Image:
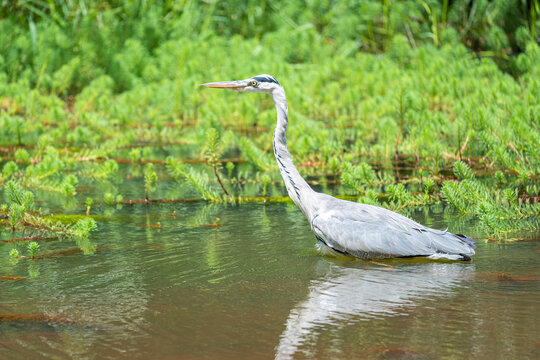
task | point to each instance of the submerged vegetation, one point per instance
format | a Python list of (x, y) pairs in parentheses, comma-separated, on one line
[(399, 104)]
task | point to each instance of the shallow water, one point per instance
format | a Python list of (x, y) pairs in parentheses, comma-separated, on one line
[(256, 288)]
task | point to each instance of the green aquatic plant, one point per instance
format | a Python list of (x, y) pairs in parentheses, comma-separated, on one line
[(88, 203), (150, 179), (467, 194), (16, 215), (105, 171), (68, 185), (84, 227), (13, 128), (370, 197), (19, 201), (266, 181), (15, 194), (21, 155), (254, 155), (8, 170), (108, 198), (33, 249), (14, 256), (230, 168), (358, 176), (197, 179), (214, 147), (14, 253), (462, 171), (399, 196), (135, 155), (501, 210)]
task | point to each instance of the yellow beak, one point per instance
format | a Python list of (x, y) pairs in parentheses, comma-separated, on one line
[(233, 85)]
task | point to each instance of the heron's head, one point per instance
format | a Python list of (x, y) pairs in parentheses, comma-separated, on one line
[(257, 84)]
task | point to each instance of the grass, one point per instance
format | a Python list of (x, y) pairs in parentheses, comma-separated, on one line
[(395, 104)]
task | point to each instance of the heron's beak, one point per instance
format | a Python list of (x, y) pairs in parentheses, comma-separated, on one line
[(233, 85)]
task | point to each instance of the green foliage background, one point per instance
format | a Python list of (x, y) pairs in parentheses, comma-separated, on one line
[(392, 102)]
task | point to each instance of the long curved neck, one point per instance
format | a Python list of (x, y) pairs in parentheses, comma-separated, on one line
[(297, 188)]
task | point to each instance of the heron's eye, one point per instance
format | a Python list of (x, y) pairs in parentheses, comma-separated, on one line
[(254, 83)]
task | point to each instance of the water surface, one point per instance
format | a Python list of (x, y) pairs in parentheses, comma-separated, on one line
[(256, 288)]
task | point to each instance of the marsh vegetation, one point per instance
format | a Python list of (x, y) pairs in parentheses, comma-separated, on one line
[(400, 105)]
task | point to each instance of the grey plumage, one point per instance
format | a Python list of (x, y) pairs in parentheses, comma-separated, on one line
[(349, 228), (380, 233)]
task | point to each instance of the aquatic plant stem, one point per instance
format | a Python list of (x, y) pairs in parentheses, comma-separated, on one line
[(216, 172)]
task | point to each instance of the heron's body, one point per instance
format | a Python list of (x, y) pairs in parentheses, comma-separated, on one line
[(371, 232), (349, 228)]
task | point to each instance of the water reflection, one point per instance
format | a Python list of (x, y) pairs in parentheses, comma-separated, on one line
[(348, 294)]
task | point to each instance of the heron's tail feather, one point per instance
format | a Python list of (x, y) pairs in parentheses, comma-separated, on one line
[(469, 241)]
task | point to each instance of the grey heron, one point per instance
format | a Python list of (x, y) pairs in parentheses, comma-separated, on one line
[(344, 227)]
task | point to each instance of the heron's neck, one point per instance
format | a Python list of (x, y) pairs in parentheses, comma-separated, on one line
[(297, 188)]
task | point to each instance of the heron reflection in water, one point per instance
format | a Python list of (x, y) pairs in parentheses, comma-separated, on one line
[(345, 227), (344, 295)]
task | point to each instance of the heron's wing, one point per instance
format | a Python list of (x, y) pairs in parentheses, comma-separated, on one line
[(371, 232)]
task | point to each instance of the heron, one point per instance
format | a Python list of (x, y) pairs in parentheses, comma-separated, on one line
[(347, 228)]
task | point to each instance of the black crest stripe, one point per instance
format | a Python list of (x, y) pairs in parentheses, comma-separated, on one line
[(266, 79)]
